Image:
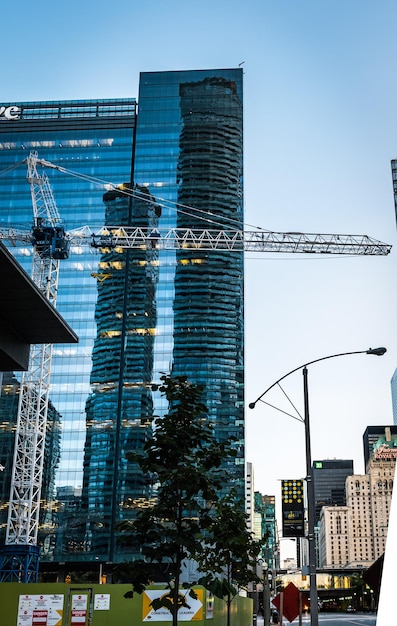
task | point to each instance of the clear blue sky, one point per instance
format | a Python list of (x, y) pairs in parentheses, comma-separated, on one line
[(320, 131)]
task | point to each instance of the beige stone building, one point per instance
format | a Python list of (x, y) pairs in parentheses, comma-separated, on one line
[(355, 535), (333, 537)]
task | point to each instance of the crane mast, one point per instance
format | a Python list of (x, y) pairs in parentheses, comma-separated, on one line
[(49, 246), (51, 243)]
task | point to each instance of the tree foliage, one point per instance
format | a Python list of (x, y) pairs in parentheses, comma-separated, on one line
[(232, 550), (229, 560), (187, 463)]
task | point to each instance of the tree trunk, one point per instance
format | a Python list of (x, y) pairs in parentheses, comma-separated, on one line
[(175, 594), (229, 578), (229, 601)]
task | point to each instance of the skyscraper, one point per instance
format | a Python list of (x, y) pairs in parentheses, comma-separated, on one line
[(355, 535), (329, 478), (175, 163), (380, 442), (393, 384), (265, 527)]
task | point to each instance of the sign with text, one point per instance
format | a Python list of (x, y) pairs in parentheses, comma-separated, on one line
[(40, 618), (292, 508), (78, 618), (10, 112), (40, 610), (79, 610), (385, 448), (189, 608), (102, 602)]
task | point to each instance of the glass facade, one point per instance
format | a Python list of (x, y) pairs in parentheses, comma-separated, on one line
[(266, 527), (138, 314), (189, 149), (393, 384), (329, 478)]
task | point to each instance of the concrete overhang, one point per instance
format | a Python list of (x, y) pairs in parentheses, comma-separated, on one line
[(26, 316)]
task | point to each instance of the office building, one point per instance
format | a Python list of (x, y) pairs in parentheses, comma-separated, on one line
[(333, 536), (379, 442), (329, 477), (394, 396), (249, 496), (355, 535), (265, 526), (177, 163)]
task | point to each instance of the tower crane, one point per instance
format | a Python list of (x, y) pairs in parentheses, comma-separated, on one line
[(21, 554), (57, 241), (51, 243)]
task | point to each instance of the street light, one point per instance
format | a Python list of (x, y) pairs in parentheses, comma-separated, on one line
[(309, 478)]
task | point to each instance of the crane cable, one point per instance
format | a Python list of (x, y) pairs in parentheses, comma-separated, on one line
[(176, 206), (184, 209), (11, 167)]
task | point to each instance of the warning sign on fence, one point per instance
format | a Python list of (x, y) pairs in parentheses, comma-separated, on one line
[(40, 610)]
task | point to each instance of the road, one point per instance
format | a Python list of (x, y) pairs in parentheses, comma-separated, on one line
[(332, 619)]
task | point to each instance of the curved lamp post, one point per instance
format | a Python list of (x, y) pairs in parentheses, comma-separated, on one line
[(309, 478)]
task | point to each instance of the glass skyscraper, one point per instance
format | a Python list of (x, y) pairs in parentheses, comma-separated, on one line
[(329, 478), (178, 163)]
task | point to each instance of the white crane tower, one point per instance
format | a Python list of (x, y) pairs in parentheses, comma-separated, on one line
[(51, 243)]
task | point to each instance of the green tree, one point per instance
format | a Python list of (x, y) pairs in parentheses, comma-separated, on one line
[(186, 463), (230, 559)]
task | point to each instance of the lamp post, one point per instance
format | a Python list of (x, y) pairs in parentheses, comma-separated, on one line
[(309, 475)]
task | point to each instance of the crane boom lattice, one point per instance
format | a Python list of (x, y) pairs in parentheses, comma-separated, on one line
[(195, 239), (230, 240)]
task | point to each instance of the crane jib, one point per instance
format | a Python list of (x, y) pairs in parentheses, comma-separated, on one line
[(111, 237), (59, 243)]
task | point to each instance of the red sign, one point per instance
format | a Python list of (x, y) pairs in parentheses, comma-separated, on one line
[(39, 618), (290, 602), (78, 617)]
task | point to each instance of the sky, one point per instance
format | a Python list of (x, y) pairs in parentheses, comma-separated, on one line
[(320, 130)]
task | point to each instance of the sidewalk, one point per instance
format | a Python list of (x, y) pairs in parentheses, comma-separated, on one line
[(261, 622)]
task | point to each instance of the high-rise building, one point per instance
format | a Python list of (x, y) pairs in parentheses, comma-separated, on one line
[(329, 478), (249, 495), (379, 442), (265, 526), (394, 377), (393, 384), (333, 536), (355, 535), (177, 163)]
